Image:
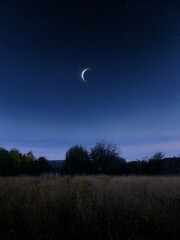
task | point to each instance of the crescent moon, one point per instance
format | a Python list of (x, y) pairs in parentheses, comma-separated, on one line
[(83, 72)]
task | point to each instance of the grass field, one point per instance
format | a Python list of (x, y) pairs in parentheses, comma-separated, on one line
[(89, 207)]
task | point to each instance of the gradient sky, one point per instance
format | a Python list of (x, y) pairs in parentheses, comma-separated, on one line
[(132, 93)]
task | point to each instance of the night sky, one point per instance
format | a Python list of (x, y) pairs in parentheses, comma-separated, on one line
[(132, 93)]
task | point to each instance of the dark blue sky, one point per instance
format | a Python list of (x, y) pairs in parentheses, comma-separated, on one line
[(132, 93)]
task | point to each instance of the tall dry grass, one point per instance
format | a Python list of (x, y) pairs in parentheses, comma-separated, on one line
[(89, 207)]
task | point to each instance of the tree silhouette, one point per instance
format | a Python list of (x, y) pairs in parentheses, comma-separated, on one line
[(77, 160), (156, 163), (106, 159), (17, 159), (157, 156), (7, 164), (43, 165)]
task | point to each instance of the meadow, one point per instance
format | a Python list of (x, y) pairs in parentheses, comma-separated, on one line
[(89, 207)]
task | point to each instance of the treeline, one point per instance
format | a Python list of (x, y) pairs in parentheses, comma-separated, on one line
[(14, 163), (104, 158)]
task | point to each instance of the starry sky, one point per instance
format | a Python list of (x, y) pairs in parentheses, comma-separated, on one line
[(132, 93)]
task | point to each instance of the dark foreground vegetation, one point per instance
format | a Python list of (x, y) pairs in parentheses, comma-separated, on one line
[(89, 207)]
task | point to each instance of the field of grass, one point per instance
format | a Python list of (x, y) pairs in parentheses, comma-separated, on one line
[(89, 207)]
